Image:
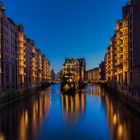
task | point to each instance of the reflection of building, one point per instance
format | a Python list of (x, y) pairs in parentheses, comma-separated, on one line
[(19, 66), (119, 117), (29, 117), (117, 122), (73, 106), (95, 90), (93, 75)]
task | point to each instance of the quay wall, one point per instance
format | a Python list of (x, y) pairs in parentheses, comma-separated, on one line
[(127, 94), (11, 96)]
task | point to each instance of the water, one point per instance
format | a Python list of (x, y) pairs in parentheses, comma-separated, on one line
[(92, 114)]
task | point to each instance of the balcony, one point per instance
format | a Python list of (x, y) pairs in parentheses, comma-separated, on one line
[(21, 64)]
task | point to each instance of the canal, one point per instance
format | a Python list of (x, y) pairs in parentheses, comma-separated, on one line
[(91, 114)]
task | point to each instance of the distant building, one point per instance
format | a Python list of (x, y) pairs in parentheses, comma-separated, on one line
[(53, 75), (73, 71), (93, 75), (102, 71), (82, 69), (70, 70)]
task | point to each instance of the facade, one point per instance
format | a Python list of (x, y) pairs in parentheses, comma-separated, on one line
[(118, 58), (73, 72), (82, 69), (122, 63), (9, 44), (70, 71), (28, 62), (22, 65), (102, 71), (33, 67), (46, 70), (136, 45), (110, 60), (21, 58), (93, 75)]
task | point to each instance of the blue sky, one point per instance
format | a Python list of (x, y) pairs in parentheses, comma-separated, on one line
[(68, 28)]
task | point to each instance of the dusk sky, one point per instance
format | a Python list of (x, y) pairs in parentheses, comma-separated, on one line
[(68, 28)]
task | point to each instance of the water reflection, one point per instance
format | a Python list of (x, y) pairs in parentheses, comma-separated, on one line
[(121, 121), (95, 90), (2, 136), (120, 118), (26, 119), (92, 114), (73, 106)]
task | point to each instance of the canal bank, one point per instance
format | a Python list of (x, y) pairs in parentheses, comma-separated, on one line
[(12, 96), (127, 95)]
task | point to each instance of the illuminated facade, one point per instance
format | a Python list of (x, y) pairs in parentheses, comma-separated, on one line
[(118, 58), (93, 75), (122, 63), (74, 73), (30, 62), (70, 71), (21, 57), (111, 60), (22, 65), (33, 68), (46, 70), (42, 70)]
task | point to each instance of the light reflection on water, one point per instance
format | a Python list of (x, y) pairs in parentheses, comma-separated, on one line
[(73, 107), (91, 114)]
